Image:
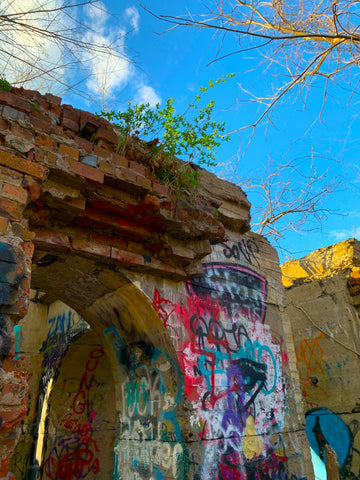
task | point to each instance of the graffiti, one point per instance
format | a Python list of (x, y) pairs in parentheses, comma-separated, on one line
[(324, 427), (79, 404), (17, 330), (232, 373), (63, 329), (5, 338), (163, 307), (149, 444), (244, 250), (233, 287), (309, 356), (74, 456), (53, 349)]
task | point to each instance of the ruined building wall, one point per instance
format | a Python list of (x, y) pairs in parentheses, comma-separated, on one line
[(155, 345), (323, 305)]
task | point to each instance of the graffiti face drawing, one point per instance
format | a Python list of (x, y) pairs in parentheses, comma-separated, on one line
[(232, 371)]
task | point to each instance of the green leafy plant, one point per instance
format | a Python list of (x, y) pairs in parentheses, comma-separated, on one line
[(166, 134), (4, 85)]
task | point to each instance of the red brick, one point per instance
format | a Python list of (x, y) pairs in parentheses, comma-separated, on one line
[(137, 167), (33, 187), (21, 132), (106, 145), (126, 174), (28, 248), (25, 93), (3, 124), (25, 285), (19, 309), (12, 192), (10, 209), (90, 247), (42, 140), (3, 224), (14, 365), (70, 124), (126, 258), (107, 133), (85, 144), (107, 168), (52, 99), (51, 158), (44, 125), (68, 151), (113, 241), (11, 176), (119, 160), (39, 105), (102, 152), (14, 101), (13, 417), (178, 252), (21, 165), (55, 109), (51, 240), (160, 188), (143, 182), (89, 122), (157, 267), (123, 226), (38, 155), (16, 390), (86, 171), (4, 467), (137, 247)]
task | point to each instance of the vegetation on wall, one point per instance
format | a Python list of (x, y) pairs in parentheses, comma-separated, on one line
[(165, 135)]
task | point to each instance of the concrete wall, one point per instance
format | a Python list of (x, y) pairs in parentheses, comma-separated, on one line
[(323, 305)]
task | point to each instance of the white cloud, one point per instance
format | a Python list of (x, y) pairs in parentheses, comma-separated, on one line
[(96, 69), (96, 14), (133, 16), (25, 54), (108, 72), (340, 235), (146, 94)]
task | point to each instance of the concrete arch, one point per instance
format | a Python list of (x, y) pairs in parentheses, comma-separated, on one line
[(142, 372)]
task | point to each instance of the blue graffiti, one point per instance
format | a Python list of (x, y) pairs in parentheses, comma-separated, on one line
[(325, 427), (17, 330)]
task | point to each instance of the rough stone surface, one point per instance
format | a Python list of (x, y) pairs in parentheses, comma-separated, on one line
[(324, 310)]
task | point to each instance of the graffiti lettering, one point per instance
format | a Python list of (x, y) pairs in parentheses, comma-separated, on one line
[(232, 368), (79, 403), (309, 356), (233, 287), (245, 249), (150, 435), (72, 458)]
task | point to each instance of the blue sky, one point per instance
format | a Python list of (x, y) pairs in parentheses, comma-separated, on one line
[(175, 63)]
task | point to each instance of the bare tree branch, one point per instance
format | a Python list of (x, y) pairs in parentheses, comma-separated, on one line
[(304, 40), (48, 42)]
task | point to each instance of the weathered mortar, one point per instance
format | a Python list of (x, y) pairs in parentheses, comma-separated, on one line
[(323, 304), (188, 338)]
